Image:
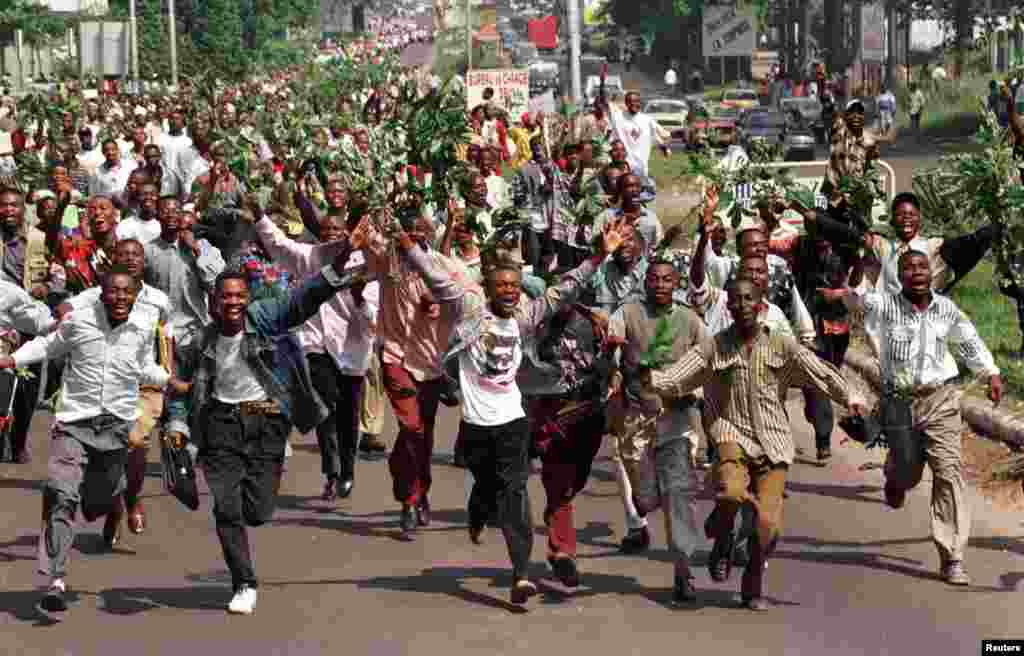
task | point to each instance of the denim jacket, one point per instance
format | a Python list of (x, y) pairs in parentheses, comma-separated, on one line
[(472, 312), (273, 353)]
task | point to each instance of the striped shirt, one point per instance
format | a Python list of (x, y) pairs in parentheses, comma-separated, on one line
[(745, 393), (913, 346)]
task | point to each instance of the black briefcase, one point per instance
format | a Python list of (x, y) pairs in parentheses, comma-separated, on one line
[(179, 473)]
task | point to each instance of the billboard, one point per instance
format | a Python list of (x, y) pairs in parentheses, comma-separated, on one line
[(729, 31), (511, 88), (103, 47)]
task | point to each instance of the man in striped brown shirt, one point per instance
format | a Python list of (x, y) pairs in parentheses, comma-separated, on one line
[(746, 371)]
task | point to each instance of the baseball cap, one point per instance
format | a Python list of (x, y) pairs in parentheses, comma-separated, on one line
[(855, 103)]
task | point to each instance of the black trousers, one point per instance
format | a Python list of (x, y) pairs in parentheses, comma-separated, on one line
[(536, 247), (498, 458), (338, 435), (26, 397), (242, 462), (817, 406)]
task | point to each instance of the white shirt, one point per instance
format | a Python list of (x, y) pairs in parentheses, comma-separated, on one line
[(487, 374), (670, 78), (171, 148), (134, 228), (19, 311), (235, 381), (913, 346), (888, 252), (111, 179), (638, 132), (105, 365), (710, 303)]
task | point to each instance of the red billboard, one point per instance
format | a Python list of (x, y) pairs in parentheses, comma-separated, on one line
[(543, 32)]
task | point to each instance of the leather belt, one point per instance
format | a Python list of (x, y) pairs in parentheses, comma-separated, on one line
[(251, 408)]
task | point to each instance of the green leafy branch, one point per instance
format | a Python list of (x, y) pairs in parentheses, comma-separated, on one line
[(659, 350)]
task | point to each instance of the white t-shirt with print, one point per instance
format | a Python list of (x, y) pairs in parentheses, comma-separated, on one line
[(487, 375)]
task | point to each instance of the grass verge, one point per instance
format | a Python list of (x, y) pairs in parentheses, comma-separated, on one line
[(994, 316)]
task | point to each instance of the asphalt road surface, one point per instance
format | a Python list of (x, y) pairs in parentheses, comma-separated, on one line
[(851, 576)]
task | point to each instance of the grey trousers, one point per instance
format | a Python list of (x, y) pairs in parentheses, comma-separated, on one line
[(86, 469), (668, 482)]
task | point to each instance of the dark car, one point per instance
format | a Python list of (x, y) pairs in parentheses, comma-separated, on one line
[(809, 108), (760, 124)]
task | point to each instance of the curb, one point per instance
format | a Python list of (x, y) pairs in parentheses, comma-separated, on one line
[(979, 414)]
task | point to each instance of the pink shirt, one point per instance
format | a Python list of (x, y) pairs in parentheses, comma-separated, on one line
[(410, 336), (342, 329)]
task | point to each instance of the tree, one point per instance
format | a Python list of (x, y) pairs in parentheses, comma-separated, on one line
[(221, 41)]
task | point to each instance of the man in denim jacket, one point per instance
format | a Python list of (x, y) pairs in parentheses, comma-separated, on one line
[(250, 385)]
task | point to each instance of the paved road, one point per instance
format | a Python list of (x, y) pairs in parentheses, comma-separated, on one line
[(851, 576)]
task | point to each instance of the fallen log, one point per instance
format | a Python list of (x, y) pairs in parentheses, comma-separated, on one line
[(979, 414)]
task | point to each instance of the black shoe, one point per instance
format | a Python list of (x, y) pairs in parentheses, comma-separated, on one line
[(824, 455), (423, 513), (720, 559), (407, 522), (522, 590), (345, 488), (53, 601), (637, 540), (894, 497), (372, 444), (330, 491), (565, 571), (683, 591)]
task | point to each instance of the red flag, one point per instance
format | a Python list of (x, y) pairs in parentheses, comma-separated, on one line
[(543, 32)]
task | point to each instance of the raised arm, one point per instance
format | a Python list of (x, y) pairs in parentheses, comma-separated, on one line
[(539, 310)]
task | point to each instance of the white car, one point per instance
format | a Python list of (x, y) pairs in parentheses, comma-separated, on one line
[(671, 115)]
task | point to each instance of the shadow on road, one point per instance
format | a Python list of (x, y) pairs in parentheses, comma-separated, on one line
[(24, 606), (132, 601), (851, 492), (24, 541), (20, 484)]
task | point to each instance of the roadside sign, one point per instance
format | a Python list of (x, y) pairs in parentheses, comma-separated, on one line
[(729, 31), (511, 88)]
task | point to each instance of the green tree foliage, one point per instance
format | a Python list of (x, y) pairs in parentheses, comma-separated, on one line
[(220, 42), (37, 24)]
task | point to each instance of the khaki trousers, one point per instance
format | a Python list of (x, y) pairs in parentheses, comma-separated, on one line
[(937, 418), (371, 407)]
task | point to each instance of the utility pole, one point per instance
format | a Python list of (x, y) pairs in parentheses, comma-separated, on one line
[(574, 50), (172, 26), (134, 45), (469, 39)]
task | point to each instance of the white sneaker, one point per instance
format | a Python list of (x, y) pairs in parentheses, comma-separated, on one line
[(244, 601)]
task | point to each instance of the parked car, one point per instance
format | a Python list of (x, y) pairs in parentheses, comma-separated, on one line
[(671, 115), (810, 112), (760, 124), (612, 85), (718, 125), (799, 139), (741, 98), (543, 76)]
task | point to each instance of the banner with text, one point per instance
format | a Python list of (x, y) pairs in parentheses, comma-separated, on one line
[(511, 89), (729, 31)]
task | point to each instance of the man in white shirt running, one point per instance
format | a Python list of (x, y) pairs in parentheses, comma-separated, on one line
[(638, 132), (110, 350)]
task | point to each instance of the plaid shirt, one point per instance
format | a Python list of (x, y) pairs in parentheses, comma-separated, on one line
[(745, 394)]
